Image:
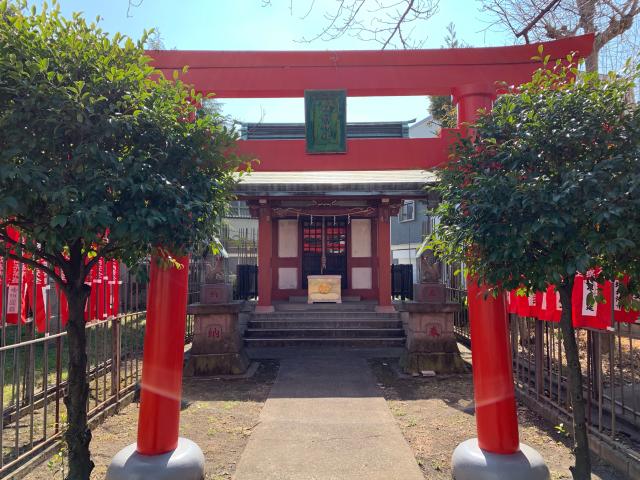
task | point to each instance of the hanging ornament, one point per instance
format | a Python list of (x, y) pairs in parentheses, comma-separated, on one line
[(349, 219), (334, 220)]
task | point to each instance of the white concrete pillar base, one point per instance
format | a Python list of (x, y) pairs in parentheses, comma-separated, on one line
[(470, 462), (186, 462)]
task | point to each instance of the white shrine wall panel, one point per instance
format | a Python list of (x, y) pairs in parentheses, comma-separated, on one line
[(361, 238), (361, 278), (287, 278), (287, 238)]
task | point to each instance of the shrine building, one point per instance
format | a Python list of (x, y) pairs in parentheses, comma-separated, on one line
[(333, 223)]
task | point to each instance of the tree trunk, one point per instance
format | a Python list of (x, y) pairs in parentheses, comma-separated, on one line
[(582, 468), (78, 434), (591, 63)]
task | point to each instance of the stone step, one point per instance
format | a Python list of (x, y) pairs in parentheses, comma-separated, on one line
[(323, 323), (324, 333), (369, 342), (324, 315), (304, 299), (351, 307)]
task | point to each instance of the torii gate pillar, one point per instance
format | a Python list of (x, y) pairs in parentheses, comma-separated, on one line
[(497, 452), (159, 453)]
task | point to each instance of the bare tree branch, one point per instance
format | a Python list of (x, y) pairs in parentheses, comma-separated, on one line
[(617, 36), (134, 4), (525, 31), (386, 22)]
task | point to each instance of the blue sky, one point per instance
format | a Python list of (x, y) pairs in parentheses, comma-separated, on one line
[(247, 25)]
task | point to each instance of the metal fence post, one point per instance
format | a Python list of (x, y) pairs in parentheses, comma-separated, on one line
[(539, 357), (116, 348)]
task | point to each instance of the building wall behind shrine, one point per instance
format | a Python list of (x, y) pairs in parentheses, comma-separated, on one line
[(407, 235)]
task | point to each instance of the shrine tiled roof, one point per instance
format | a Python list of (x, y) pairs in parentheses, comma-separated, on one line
[(362, 183)]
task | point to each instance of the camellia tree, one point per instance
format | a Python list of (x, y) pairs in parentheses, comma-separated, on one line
[(100, 157), (549, 186)]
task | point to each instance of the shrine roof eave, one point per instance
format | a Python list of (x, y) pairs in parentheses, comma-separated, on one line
[(381, 183), (355, 191)]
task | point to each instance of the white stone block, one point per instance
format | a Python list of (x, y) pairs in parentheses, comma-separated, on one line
[(287, 278), (362, 278)]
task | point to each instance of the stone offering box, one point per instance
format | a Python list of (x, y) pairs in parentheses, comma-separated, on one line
[(217, 347), (431, 342), (324, 288)]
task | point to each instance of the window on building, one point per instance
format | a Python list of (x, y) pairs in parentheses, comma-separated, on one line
[(238, 209), (407, 211)]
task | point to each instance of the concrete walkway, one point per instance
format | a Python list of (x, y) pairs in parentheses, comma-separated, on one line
[(325, 419)]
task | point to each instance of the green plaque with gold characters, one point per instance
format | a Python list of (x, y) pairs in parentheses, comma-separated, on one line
[(326, 120)]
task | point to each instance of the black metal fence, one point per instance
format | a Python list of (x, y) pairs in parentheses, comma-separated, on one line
[(402, 281), (33, 364), (610, 362), (246, 284), (33, 371)]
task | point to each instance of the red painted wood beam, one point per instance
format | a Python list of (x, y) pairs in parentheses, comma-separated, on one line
[(362, 154), (231, 74)]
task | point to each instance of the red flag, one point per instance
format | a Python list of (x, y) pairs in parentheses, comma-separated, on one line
[(62, 300), (526, 305), (13, 285), (512, 301), (100, 284), (585, 315), (36, 280), (619, 313), (12, 289), (113, 290), (550, 308)]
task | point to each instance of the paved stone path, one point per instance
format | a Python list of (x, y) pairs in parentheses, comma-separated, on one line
[(326, 420)]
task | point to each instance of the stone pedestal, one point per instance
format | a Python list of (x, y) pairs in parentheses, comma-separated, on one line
[(429, 292), (217, 347), (216, 293), (431, 343)]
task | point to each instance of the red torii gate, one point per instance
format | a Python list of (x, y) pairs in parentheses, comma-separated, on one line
[(462, 72), (470, 75)]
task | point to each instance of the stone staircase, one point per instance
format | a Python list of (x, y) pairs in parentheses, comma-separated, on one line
[(349, 324)]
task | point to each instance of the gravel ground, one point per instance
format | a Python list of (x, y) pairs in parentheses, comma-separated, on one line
[(219, 416), (436, 414)]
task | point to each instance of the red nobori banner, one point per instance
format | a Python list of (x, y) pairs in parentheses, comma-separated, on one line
[(546, 305)]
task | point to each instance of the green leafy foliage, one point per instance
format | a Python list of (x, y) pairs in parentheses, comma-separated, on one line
[(549, 185), (100, 157), (93, 140), (443, 111)]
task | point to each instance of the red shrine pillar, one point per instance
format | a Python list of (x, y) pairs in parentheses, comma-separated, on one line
[(161, 383), (265, 252), (383, 242), (496, 418)]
